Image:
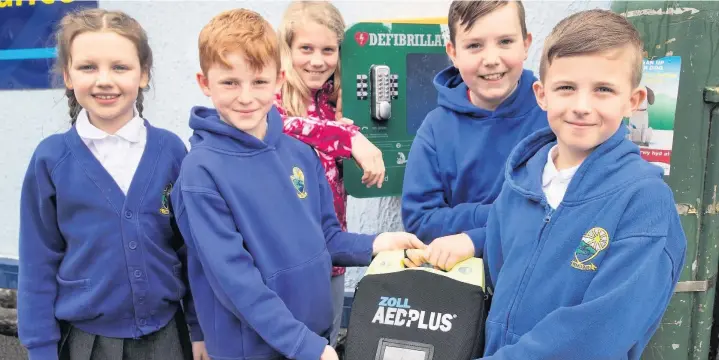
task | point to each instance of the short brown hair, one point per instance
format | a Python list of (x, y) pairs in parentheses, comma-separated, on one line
[(238, 30), (95, 20), (466, 13), (591, 32)]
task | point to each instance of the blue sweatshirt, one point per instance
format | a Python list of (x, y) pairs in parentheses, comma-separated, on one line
[(591, 279), (262, 236), (105, 262), (455, 166)]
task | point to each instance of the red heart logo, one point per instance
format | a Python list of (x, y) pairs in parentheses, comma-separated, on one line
[(361, 37)]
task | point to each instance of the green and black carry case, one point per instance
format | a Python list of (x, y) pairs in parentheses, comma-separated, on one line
[(417, 314)]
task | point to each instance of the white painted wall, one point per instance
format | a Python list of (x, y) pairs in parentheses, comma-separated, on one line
[(29, 116)]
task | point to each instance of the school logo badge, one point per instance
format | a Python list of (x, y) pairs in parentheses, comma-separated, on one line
[(593, 242), (165, 208), (298, 180)]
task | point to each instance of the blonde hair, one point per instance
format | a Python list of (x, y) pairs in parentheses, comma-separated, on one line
[(592, 32), (238, 30), (94, 20), (298, 13)]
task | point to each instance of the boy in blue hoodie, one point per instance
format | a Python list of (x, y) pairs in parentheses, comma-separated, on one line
[(256, 210), (583, 246), (486, 106)]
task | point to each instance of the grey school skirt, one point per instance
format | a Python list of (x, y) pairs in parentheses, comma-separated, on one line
[(172, 342)]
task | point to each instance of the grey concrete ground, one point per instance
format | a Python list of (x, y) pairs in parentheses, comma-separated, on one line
[(10, 349)]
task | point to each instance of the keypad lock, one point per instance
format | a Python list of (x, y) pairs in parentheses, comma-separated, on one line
[(384, 89)]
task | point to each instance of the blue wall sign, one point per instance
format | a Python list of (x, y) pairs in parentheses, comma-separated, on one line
[(27, 51)]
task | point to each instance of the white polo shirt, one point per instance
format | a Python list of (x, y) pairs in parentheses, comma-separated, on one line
[(555, 182), (119, 153)]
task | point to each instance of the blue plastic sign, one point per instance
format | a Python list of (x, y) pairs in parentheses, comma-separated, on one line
[(27, 46)]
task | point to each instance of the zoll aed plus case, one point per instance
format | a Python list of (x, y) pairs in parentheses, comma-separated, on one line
[(417, 314)]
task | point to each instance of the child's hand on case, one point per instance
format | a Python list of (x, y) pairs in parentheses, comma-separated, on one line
[(329, 354), (396, 241), (416, 257), (445, 252), (199, 352)]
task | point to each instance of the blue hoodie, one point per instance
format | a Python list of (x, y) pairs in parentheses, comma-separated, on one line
[(262, 235), (591, 279), (455, 167)]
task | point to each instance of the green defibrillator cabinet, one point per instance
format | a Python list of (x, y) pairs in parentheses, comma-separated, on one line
[(387, 73), (678, 129)]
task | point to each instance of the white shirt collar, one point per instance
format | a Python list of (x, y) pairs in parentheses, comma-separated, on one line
[(551, 173), (133, 131)]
